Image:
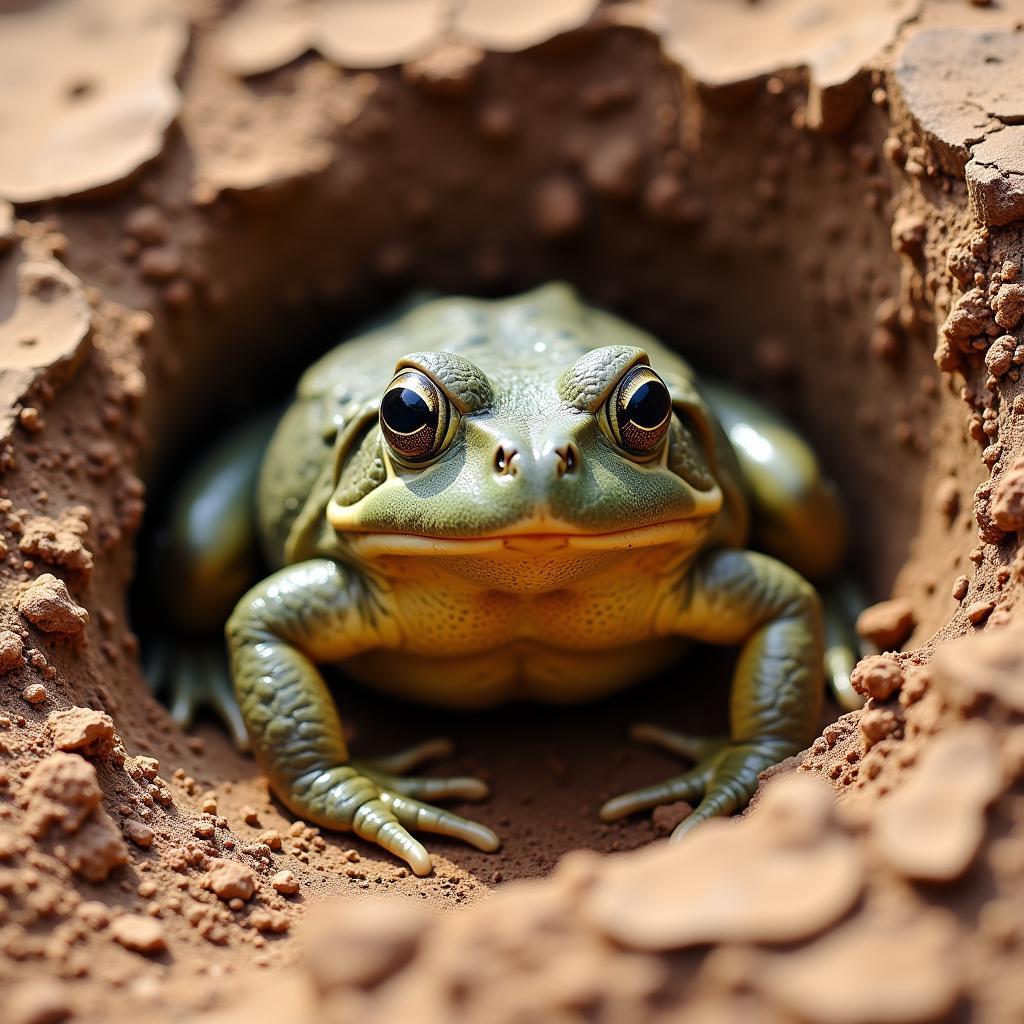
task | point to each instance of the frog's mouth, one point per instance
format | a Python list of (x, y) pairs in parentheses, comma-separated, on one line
[(526, 540)]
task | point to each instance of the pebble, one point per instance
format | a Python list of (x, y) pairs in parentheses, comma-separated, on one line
[(285, 883), (139, 934)]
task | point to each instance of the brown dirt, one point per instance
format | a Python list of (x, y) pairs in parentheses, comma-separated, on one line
[(815, 213)]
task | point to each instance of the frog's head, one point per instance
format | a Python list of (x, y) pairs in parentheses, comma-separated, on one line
[(515, 442)]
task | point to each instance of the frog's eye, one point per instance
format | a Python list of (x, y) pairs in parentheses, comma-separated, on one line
[(638, 412), (416, 417)]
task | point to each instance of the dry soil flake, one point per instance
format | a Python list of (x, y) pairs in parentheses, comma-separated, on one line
[(887, 624), (83, 730), (47, 604), (932, 826), (908, 969), (783, 875), (95, 94), (139, 934)]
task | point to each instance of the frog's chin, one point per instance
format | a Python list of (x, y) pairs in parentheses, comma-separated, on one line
[(531, 541)]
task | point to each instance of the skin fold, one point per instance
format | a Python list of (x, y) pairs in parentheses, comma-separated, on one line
[(476, 503)]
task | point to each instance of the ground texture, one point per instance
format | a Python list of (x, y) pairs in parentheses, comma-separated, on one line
[(822, 201)]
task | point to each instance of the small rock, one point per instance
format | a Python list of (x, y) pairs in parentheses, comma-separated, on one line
[(271, 838), (35, 693), (887, 624), (249, 815), (139, 833), (269, 921), (139, 934), (979, 611), (230, 880), (285, 883), (47, 604)]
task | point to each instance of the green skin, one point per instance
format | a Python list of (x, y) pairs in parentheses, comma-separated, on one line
[(530, 557)]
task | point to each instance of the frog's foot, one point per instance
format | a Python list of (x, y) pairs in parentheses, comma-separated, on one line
[(379, 803), (191, 675), (390, 773), (723, 780)]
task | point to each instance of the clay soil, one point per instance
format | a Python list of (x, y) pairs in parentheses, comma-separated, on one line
[(196, 199)]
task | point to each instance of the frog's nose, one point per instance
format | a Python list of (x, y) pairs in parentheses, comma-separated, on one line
[(557, 460)]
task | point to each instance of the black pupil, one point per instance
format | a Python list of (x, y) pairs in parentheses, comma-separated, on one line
[(404, 411), (648, 405)]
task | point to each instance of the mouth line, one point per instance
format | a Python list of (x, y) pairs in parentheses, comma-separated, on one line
[(530, 541)]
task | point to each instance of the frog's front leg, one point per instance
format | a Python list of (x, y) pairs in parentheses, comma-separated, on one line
[(319, 612), (731, 597)]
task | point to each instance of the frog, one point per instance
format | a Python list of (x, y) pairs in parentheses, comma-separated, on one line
[(486, 500)]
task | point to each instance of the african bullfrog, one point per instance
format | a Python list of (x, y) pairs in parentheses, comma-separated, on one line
[(484, 501)]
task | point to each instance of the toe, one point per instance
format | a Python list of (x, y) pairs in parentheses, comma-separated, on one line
[(688, 787), (416, 815)]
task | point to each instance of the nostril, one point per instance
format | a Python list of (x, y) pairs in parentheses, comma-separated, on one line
[(568, 459), (505, 461)]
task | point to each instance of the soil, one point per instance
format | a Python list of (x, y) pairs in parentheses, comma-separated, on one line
[(196, 199)]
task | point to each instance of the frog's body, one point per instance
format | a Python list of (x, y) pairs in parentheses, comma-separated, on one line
[(529, 540)]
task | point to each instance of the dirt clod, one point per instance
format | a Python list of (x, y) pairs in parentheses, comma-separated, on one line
[(887, 624), (285, 883), (47, 604), (60, 541), (84, 730), (230, 880), (1008, 498), (878, 676), (61, 790), (11, 651)]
